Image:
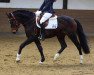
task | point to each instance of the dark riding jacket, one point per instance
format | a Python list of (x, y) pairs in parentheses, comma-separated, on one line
[(47, 6)]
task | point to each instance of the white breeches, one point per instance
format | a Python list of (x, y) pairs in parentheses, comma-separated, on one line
[(45, 17)]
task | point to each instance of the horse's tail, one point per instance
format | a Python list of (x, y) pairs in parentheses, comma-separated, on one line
[(82, 38)]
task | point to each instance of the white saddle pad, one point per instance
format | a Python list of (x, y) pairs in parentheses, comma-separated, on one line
[(52, 24)]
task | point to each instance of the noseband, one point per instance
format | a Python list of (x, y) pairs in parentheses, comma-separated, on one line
[(17, 24)]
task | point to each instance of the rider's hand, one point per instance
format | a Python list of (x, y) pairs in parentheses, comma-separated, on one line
[(38, 13)]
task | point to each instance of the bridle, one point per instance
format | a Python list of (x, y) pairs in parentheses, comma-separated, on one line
[(17, 24)]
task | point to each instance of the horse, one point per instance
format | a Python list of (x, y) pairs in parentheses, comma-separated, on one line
[(67, 26)]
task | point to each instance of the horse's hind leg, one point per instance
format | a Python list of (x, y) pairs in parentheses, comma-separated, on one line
[(74, 39), (61, 39)]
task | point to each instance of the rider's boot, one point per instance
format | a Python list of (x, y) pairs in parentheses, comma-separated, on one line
[(42, 36)]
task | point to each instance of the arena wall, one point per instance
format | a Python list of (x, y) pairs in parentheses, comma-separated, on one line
[(83, 10), (29, 4), (81, 4), (86, 17), (72, 4)]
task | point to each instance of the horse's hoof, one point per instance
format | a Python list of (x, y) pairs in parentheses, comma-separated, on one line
[(18, 58), (17, 61), (81, 63), (56, 56), (40, 62)]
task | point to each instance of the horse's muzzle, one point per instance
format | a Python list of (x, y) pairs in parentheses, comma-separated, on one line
[(14, 31)]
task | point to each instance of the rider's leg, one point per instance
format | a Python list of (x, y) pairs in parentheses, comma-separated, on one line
[(45, 17)]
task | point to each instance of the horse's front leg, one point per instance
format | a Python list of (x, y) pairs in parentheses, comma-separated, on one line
[(38, 44), (28, 41)]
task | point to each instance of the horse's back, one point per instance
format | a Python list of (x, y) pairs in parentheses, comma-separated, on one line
[(67, 22), (66, 18)]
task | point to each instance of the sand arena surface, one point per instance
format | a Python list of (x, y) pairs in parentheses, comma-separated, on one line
[(66, 64)]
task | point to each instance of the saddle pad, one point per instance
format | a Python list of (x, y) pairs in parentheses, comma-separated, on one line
[(52, 23)]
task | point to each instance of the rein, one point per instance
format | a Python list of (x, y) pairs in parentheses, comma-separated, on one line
[(13, 17)]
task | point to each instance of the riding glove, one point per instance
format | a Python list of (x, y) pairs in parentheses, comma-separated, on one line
[(38, 13)]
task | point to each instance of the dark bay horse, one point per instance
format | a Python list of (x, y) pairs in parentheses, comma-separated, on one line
[(66, 26)]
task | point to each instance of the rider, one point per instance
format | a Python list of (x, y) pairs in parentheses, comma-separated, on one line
[(47, 9)]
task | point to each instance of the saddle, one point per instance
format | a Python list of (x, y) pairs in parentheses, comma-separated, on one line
[(51, 23)]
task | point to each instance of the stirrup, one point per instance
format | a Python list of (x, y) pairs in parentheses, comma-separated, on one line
[(41, 37)]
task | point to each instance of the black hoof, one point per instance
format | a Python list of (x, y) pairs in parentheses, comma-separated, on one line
[(43, 59), (18, 61)]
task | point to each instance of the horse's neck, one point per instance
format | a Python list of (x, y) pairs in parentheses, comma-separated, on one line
[(26, 20)]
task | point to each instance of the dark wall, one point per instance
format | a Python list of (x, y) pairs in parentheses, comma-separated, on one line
[(6, 1)]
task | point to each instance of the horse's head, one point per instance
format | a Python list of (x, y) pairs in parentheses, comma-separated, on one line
[(23, 17), (13, 22)]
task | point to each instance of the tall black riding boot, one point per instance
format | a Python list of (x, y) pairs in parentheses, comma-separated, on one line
[(42, 32)]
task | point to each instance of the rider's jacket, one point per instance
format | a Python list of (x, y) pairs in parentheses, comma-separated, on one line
[(47, 6)]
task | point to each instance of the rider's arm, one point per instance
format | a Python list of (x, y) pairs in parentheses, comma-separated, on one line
[(42, 6), (48, 4)]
